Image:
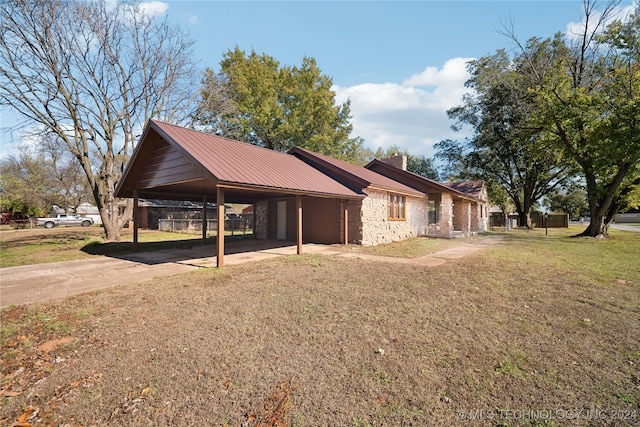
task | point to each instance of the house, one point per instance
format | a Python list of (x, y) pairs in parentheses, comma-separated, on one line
[(449, 210), (90, 211), (296, 196)]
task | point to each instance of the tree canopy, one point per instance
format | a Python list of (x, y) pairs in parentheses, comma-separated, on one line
[(565, 101), (507, 148), (255, 99), (571, 200), (588, 92), (420, 165), (92, 74)]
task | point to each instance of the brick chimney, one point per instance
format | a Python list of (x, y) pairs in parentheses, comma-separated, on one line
[(397, 161)]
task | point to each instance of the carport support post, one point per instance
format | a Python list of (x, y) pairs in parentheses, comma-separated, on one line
[(135, 220), (204, 220), (299, 222), (220, 236)]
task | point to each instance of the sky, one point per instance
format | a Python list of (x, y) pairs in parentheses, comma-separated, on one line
[(401, 63)]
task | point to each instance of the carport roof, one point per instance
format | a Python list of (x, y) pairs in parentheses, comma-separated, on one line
[(208, 161)]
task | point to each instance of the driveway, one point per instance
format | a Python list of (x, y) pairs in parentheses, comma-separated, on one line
[(41, 282), (626, 226)]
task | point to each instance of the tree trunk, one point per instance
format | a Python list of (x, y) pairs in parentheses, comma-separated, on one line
[(525, 219), (604, 208), (598, 227)]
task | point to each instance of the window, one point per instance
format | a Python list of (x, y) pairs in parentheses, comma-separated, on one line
[(396, 207), (434, 211)]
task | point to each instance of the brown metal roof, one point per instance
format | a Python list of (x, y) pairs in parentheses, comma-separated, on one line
[(224, 161), (353, 175), (416, 181), (472, 188)]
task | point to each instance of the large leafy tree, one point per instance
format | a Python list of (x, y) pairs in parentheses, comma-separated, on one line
[(92, 73), (255, 99), (571, 199), (588, 92), (507, 148)]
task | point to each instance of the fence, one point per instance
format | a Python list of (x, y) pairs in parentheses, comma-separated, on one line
[(537, 220), (237, 225), (550, 221)]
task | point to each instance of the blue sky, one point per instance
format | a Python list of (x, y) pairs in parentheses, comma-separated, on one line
[(402, 64)]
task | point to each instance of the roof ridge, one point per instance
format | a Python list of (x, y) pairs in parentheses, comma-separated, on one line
[(213, 135)]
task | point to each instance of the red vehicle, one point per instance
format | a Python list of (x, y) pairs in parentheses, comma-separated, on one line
[(9, 217)]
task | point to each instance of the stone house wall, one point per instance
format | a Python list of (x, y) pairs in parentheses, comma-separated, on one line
[(418, 216), (446, 201), (462, 216), (354, 228), (376, 226), (261, 218)]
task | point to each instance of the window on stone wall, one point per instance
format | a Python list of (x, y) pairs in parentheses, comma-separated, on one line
[(434, 211), (396, 207)]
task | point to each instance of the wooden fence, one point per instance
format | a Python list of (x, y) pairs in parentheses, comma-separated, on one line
[(537, 220)]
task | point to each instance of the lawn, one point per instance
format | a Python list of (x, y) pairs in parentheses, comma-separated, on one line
[(39, 245), (536, 330)]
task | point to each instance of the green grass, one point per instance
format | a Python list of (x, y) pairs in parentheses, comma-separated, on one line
[(560, 249), (38, 246)]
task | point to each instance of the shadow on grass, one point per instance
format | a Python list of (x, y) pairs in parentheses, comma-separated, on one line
[(125, 248), (152, 253)]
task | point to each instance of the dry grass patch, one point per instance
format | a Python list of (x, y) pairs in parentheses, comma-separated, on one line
[(40, 245), (410, 248), (318, 340)]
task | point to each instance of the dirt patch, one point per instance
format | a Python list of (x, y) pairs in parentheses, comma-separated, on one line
[(14, 314), (12, 238), (51, 345), (276, 409)]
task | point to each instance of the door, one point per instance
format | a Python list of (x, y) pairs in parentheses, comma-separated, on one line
[(281, 221)]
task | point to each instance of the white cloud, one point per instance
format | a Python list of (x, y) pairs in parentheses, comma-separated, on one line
[(154, 8), (453, 71), (576, 29), (411, 115)]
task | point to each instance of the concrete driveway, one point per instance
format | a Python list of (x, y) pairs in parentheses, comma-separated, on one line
[(41, 282), (626, 226)]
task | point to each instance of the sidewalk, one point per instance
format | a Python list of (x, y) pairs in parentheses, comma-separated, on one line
[(434, 259), (41, 282)]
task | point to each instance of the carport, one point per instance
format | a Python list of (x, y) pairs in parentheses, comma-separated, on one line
[(175, 163)]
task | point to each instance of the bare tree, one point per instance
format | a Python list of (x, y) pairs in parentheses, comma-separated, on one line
[(93, 73)]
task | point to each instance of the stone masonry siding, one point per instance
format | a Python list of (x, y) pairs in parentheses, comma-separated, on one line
[(353, 208), (376, 227), (446, 222), (475, 217), (261, 212), (418, 216)]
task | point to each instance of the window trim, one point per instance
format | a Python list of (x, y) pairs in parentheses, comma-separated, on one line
[(396, 207)]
